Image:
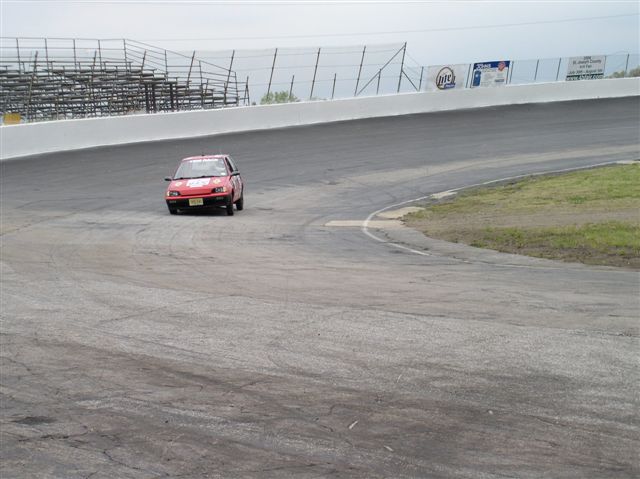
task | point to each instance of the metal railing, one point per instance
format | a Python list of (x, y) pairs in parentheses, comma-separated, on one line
[(48, 79)]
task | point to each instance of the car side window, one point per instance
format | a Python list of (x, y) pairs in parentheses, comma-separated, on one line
[(231, 164)]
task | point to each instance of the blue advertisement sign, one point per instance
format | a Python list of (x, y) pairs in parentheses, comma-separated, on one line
[(489, 74)]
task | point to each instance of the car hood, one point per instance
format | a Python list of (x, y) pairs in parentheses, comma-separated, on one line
[(198, 186)]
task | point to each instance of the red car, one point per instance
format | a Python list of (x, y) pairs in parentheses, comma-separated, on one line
[(204, 182)]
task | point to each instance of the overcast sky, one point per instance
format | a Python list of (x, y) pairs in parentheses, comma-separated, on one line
[(436, 32)]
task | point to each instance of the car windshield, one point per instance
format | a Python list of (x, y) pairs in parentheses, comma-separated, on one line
[(201, 168)]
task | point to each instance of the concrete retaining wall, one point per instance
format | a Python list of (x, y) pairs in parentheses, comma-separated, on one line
[(45, 137)]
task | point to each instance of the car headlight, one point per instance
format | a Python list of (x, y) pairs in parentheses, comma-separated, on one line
[(173, 193), (219, 189)]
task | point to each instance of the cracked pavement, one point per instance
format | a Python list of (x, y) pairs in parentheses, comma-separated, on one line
[(136, 344)]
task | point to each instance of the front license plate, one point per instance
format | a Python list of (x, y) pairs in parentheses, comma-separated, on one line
[(196, 202)]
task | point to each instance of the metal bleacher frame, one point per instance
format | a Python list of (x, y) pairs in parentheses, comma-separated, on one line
[(51, 79)]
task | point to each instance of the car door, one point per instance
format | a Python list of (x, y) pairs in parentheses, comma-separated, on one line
[(236, 180)]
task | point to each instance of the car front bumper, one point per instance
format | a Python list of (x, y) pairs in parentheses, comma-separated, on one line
[(207, 201)]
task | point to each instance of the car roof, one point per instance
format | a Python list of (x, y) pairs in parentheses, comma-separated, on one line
[(203, 157)]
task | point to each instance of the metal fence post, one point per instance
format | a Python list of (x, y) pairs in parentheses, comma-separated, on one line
[(202, 94), (92, 92), (421, 73), (226, 85), (558, 72), (46, 55), (291, 87), (33, 76), (235, 82), (404, 51), (313, 82), (124, 48), (535, 75), (193, 57), (273, 66), (246, 92), (75, 57), (355, 93), (141, 79), (57, 97), (626, 66), (186, 90), (333, 90), (379, 75), (18, 52)]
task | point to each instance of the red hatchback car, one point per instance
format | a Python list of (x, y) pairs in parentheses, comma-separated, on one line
[(204, 182)]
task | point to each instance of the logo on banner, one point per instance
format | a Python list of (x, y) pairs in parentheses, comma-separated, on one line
[(445, 79)]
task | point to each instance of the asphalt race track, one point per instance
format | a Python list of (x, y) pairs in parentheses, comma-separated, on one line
[(270, 344)]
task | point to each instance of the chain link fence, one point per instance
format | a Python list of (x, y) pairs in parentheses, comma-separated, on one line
[(523, 72), (48, 79), (314, 73)]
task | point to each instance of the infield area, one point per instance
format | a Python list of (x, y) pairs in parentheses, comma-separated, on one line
[(589, 216)]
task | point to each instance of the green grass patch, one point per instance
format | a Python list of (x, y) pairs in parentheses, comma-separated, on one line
[(591, 216), (603, 243)]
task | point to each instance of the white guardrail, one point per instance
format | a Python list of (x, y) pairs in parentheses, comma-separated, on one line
[(46, 137)]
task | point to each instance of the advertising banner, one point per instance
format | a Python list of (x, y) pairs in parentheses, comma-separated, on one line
[(585, 68), (446, 77), (489, 74)]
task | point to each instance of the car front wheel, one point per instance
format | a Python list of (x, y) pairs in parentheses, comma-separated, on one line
[(230, 206)]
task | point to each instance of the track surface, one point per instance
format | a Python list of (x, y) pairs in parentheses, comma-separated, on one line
[(137, 344)]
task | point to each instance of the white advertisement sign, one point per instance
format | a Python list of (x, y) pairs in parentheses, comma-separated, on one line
[(446, 77), (489, 74), (585, 68)]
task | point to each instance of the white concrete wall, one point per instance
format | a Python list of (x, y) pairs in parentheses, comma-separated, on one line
[(44, 137)]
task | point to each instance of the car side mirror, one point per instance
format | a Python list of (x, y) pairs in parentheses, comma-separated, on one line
[(168, 178)]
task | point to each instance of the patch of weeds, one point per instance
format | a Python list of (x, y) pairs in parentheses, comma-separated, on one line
[(557, 216)]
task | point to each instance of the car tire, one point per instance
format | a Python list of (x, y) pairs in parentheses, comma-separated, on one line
[(240, 202), (173, 211), (230, 206)]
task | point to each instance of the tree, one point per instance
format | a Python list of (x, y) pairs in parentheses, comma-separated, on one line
[(278, 97), (635, 72)]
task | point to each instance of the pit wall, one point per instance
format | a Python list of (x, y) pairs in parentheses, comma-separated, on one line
[(45, 137)]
